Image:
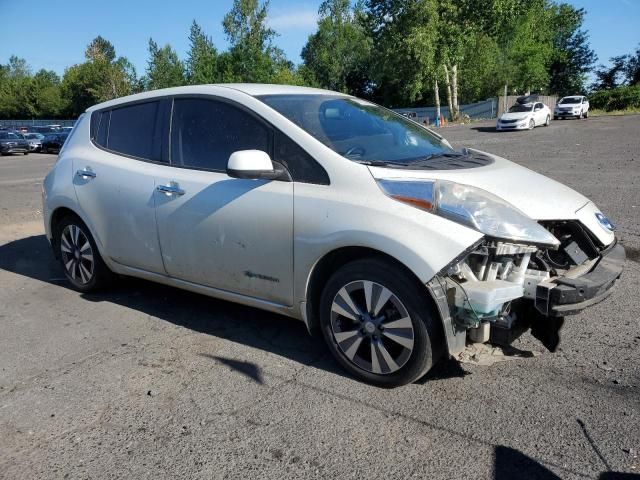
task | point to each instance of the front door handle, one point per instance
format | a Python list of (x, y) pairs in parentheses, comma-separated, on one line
[(86, 173), (171, 189)]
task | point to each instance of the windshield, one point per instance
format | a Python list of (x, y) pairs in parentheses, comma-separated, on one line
[(520, 108), (32, 136), (569, 100), (357, 129)]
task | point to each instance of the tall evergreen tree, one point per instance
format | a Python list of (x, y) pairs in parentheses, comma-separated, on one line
[(252, 56), (164, 68), (202, 58)]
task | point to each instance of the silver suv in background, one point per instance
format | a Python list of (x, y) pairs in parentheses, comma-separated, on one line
[(575, 106)]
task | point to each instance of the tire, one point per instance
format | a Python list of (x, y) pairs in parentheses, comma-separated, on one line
[(82, 265), (548, 121), (532, 124), (586, 114), (407, 350), (26, 153), (555, 118)]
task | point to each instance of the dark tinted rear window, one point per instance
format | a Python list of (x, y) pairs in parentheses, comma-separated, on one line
[(133, 131)]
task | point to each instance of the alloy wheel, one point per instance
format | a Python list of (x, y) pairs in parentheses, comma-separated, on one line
[(372, 327), (77, 254)]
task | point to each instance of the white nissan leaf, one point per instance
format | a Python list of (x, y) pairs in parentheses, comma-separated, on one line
[(359, 222)]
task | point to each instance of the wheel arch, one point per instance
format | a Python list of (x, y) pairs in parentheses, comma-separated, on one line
[(338, 257), (57, 215)]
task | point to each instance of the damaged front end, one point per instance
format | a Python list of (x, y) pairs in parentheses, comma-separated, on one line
[(498, 289)]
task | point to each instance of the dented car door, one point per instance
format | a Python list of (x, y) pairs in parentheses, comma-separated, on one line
[(228, 233)]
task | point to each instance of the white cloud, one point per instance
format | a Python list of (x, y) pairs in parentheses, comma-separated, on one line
[(300, 19)]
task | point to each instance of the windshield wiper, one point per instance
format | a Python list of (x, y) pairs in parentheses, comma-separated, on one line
[(433, 156), (381, 163)]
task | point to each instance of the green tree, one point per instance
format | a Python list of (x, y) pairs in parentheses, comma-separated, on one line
[(478, 70), (101, 77), (632, 68), (404, 39), (252, 55), (100, 49), (337, 54), (612, 76), (15, 84), (45, 96), (572, 56), (202, 58), (530, 51), (164, 68)]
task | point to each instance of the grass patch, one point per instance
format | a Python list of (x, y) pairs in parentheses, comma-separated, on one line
[(602, 113)]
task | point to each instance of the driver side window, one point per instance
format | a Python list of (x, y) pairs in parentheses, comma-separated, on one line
[(205, 132)]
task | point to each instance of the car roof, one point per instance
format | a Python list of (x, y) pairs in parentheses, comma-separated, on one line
[(253, 89)]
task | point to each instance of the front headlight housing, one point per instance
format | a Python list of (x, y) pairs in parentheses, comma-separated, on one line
[(470, 206)]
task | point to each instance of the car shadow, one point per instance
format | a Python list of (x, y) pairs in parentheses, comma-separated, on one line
[(278, 334), (484, 129)]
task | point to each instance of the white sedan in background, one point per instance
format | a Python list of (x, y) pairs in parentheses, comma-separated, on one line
[(525, 117)]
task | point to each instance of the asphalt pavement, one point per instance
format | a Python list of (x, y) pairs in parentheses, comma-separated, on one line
[(146, 381)]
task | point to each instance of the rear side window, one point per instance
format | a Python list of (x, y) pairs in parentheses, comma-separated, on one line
[(204, 133), (133, 130)]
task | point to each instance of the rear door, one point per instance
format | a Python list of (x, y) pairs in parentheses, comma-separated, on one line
[(227, 233), (115, 181)]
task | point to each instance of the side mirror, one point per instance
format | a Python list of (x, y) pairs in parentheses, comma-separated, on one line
[(253, 164)]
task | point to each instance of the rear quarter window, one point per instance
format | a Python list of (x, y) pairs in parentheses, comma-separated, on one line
[(132, 130)]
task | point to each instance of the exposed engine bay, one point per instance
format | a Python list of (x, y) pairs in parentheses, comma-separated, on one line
[(500, 289)]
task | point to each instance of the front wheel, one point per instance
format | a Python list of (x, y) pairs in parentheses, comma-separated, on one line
[(83, 266), (532, 124), (378, 323), (586, 114)]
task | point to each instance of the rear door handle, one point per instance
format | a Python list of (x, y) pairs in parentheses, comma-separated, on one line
[(86, 173), (171, 189)]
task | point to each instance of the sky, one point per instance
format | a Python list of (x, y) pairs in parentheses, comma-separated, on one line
[(53, 34)]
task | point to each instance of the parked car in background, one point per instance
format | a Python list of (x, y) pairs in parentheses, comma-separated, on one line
[(575, 106), (330, 209), (34, 140), (66, 129), (43, 129), (53, 142), (525, 116), (12, 142)]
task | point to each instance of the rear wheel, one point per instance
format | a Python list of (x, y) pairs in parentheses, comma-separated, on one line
[(547, 121), (378, 323), (586, 114), (83, 266)]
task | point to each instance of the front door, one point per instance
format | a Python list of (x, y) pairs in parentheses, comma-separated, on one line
[(232, 234)]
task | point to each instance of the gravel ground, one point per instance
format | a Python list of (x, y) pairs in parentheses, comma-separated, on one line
[(151, 382)]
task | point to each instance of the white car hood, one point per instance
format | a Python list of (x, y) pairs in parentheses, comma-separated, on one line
[(515, 116), (537, 196), (568, 105)]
